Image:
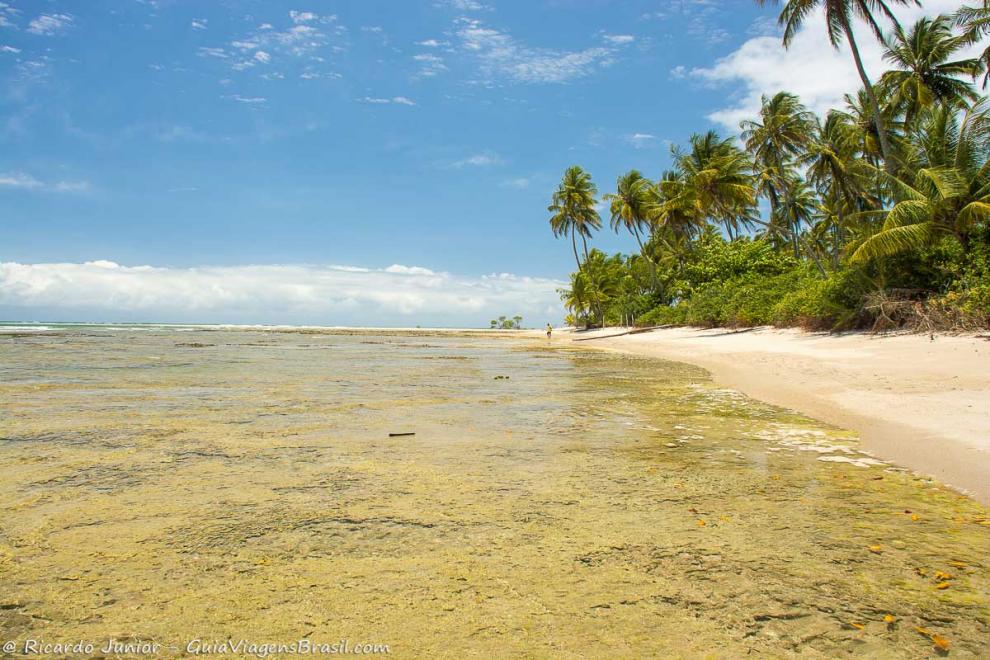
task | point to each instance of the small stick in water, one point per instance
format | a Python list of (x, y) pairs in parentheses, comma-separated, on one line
[(399, 435)]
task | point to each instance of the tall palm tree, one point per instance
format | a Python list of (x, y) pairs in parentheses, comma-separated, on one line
[(976, 22), (839, 16), (948, 192), (781, 134), (924, 73), (714, 181), (573, 209), (629, 205)]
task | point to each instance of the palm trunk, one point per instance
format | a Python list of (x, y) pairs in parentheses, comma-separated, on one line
[(577, 260), (598, 300), (642, 251), (885, 147)]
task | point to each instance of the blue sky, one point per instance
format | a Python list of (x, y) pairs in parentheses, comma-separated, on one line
[(181, 135)]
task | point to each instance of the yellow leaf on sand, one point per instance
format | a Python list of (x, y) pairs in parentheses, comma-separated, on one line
[(957, 564), (915, 517), (942, 575), (941, 643), (701, 522), (857, 626), (889, 618), (943, 585), (876, 549)]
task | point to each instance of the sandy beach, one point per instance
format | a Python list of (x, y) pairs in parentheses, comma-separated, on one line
[(917, 402)]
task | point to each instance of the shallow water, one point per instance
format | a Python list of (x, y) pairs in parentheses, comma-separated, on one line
[(168, 486)]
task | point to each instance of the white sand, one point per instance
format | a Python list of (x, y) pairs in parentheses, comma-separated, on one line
[(918, 403)]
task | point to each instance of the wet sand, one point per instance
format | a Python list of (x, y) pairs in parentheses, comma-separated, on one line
[(213, 484), (919, 403)]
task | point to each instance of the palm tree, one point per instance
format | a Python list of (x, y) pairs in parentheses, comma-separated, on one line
[(714, 181), (573, 208), (784, 130), (948, 193), (795, 208), (976, 22), (923, 74), (838, 19), (628, 204)]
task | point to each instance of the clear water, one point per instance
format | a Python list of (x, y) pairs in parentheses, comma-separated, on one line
[(221, 483)]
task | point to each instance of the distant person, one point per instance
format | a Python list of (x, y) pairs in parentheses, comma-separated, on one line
[(549, 330)]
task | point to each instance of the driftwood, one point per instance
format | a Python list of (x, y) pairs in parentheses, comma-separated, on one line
[(634, 331), (400, 435)]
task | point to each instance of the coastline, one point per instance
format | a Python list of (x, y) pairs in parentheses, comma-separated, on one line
[(918, 403)]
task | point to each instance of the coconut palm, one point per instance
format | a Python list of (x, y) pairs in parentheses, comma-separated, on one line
[(839, 16), (976, 22), (924, 72), (629, 205), (781, 134), (714, 181), (948, 192), (573, 208)]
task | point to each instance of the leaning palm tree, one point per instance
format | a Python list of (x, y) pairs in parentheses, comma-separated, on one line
[(924, 72), (839, 16), (976, 22), (948, 192)]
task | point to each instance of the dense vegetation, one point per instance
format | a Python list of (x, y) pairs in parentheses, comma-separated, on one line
[(876, 215)]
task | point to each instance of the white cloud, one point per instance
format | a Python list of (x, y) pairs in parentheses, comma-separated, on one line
[(9, 49), (6, 13), (249, 100), (23, 181), (48, 24), (302, 16), (811, 68), (619, 39), (272, 294), (484, 159), (263, 57), (641, 140), (431, 43), (199, 23), (679, 72), (429, 65), (463, 5), (519, 183), (399, 100), (501, 56)]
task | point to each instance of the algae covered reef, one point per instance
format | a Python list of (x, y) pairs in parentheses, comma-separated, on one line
[(212, 484)]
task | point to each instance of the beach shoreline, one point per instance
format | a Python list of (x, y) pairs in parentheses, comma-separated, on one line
[(916, 402)]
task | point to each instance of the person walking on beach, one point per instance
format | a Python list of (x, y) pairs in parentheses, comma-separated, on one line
[(549, 330)]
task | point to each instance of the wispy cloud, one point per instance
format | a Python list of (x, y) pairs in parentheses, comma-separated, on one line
[(429, 65), (462, 5), (7, 13), (23, 181), (49, 24), (199, 23), (303, 39), (432, 43), (641, 140), (249, 100), (484, 159), (501, 56), (619, 39), (398, 100), (275, 293), (9, 49)]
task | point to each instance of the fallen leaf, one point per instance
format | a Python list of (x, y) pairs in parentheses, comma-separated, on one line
[(942, 575), (941, 643), (701, 522), (876, 549), (915, 517), (889, 618), (958, 564), (943, 585), (857, 626)]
